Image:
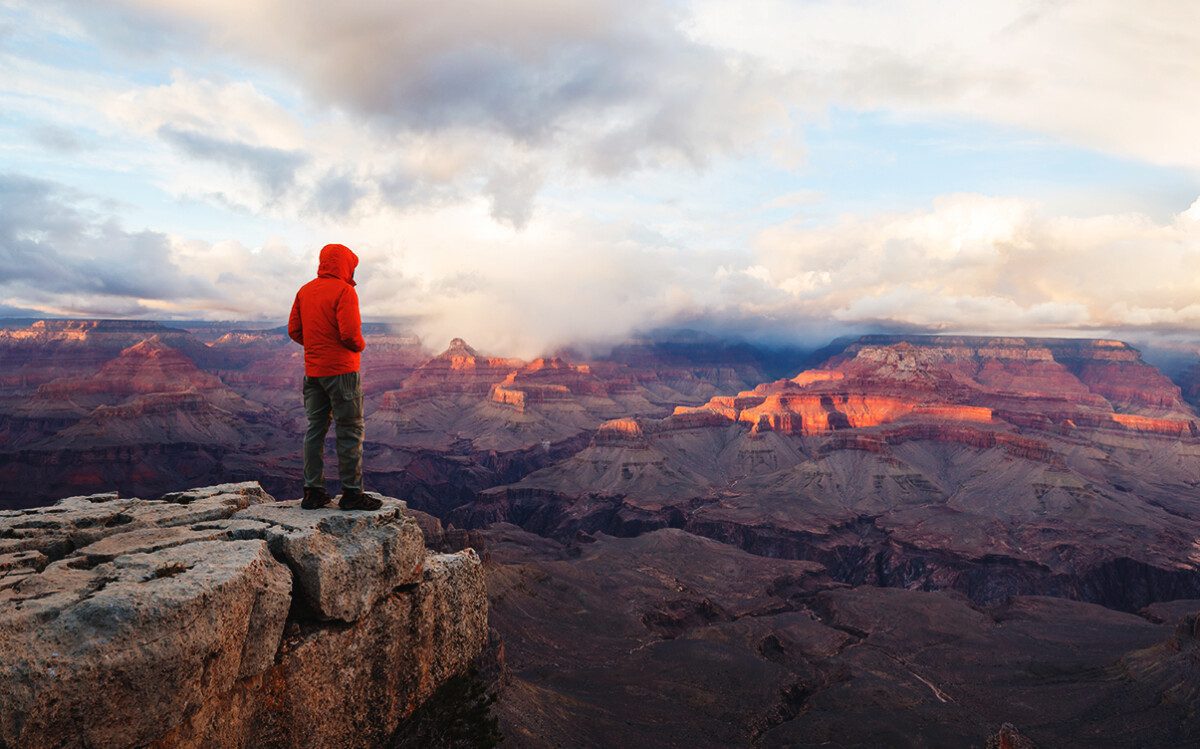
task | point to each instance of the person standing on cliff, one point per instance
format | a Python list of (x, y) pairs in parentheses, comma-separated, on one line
[(325, 320)]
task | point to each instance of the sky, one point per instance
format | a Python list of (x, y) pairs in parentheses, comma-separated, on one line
[(531, 174)]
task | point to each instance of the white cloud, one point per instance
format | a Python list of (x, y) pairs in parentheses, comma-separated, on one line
[(975, 262), (491, 97), (1104, 74), (968, 263)]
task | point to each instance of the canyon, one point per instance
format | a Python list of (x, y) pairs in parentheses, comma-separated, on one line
[(896, 540)]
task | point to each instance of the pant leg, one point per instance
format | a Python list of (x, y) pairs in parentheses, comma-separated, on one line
[(347, 397), (317, 408)]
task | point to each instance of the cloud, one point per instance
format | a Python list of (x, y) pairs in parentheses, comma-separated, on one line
[(63, 256), (1103, 74), (966, 263), (336, 194), (974, 262), (58, 139), (536, 173), (50, 245), (606, 87), (273, 168)]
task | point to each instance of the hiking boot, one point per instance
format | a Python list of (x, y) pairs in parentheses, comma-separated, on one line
[(315, 498), (354, 499)]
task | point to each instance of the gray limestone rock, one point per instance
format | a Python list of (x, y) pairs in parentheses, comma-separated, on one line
[(219, 618), (109, 655), (77, 522)]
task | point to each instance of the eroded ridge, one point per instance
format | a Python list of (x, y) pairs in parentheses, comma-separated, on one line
[(219, 617)]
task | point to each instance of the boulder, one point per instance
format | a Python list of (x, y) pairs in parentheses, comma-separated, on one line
[(344, 562)]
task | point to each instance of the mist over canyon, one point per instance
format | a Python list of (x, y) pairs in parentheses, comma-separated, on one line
[(690, 540)]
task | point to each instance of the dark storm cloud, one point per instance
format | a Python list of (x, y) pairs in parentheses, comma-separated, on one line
[(273, 168), (50, 245)]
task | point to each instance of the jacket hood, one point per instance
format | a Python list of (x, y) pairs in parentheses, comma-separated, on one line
[(337, 261)]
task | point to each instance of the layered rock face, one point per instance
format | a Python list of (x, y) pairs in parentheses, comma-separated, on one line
[(147, 408), (699, 366), (148, 368), (985, 466), (916, 543), (507, 405), (50, 349), (881, 380), (458, 369), (142, 420), (921, 543), (219, 617), (1190, 384), (549, 379)]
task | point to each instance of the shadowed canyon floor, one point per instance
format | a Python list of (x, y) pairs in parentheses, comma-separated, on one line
[(908, 541), (695, 643)]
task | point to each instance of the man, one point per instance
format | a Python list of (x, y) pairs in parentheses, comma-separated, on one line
[(326, 321)]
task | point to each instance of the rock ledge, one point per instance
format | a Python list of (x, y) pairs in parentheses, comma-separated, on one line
[(218, 617)]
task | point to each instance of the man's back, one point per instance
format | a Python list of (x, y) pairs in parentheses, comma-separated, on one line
[(325, 317)]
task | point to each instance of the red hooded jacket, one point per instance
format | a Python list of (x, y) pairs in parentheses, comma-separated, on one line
[(325, 318)]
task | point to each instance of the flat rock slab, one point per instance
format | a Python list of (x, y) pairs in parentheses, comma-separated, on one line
[(76, 522), (252, 490), (143, 540), (343, 562)]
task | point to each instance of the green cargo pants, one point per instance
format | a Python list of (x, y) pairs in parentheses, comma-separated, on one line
[(339, 397)]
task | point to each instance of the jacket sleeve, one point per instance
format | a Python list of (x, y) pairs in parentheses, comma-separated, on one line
[(294, 330), (349, 321)]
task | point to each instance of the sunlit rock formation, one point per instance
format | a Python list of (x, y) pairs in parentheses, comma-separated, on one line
[(458, 369), (981, 465), (984, 381), (148, 367), (49, 349)]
